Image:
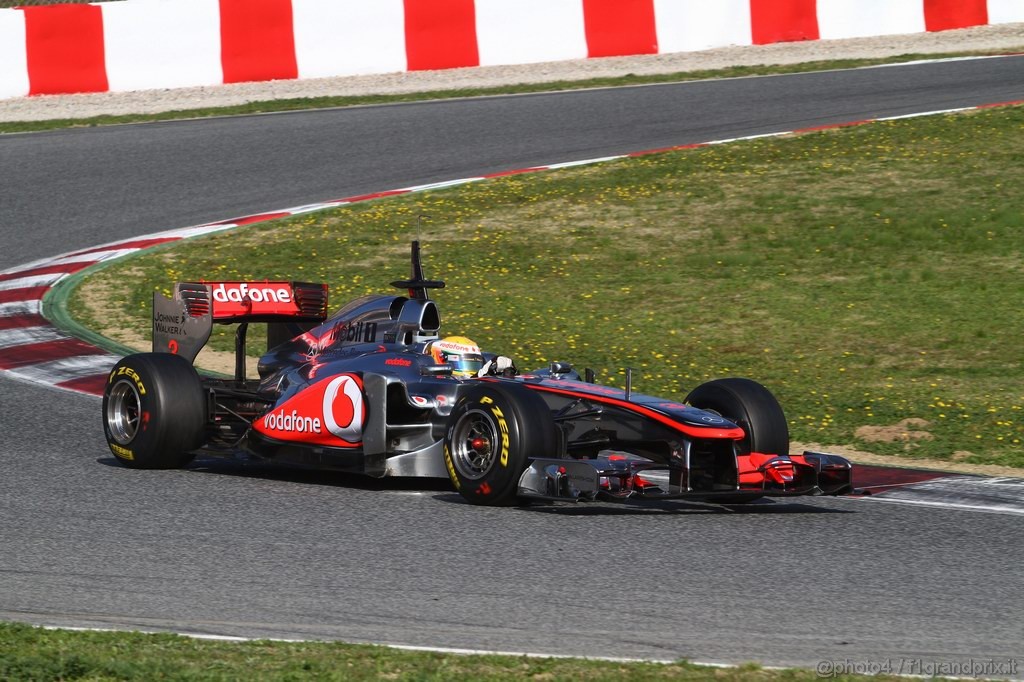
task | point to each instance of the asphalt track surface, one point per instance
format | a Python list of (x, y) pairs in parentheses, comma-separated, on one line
[(257, 551)]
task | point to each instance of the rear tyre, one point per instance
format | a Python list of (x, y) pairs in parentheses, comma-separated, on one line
[(493, 431), (754, 409), (154, 411)]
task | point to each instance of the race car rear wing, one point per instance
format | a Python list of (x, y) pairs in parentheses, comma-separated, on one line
[(183, 323)]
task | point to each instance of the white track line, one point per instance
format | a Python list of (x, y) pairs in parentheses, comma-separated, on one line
[(30, 281), (20, 308), (479, 652), (22, 336), (992, 509), (54, 372)]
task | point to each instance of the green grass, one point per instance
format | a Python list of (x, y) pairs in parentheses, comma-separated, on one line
[(306, 103), (866, 276), (28, 653)]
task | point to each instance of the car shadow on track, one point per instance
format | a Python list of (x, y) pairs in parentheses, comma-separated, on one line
[(443, 491), (269, 471), (658, 507)]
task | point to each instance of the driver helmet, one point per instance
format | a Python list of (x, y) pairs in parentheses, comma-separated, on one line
[(458, 351)]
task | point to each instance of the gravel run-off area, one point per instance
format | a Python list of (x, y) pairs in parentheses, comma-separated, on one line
[(1003, 37)]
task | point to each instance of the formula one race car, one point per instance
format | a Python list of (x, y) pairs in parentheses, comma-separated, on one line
[(361, 392)]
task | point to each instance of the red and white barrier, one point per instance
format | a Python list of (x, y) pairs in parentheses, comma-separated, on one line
[(348, 38), (149, 44), (860, 18), (690, 25), (13, 59), (529, 31)]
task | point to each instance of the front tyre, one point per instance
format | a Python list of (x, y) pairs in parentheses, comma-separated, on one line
[(750, 406), (492, 433), (154, 411), (754, 409)]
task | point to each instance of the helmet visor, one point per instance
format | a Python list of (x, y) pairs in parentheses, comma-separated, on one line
[(465, 364)]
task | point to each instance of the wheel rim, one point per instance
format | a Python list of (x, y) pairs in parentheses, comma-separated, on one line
[(473, 439), (124, 408)]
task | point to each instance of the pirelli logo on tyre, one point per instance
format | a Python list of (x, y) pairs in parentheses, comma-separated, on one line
[(503, 428), (499, 417), (129, 373), (451, 468), (123, 453)]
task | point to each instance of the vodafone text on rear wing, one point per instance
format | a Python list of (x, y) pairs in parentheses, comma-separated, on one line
[(183, 323)]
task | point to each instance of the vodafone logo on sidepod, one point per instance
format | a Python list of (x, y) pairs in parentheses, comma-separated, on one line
[(331, 412)]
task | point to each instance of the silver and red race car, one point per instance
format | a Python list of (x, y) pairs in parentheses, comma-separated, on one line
[(357, 392)]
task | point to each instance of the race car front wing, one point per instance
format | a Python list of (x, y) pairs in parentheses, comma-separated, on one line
[(619, 476)]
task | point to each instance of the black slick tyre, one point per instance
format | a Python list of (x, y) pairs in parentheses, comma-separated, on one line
[(754, 409), (493, 431), (154, 411), (750, 406)]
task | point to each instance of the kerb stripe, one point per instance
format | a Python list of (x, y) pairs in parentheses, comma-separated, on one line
[(93, 385), (55, 349), (26, 294)]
